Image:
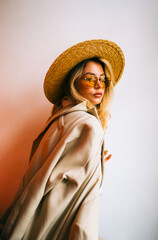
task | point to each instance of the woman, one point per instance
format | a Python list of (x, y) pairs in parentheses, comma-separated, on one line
[(58, 197)]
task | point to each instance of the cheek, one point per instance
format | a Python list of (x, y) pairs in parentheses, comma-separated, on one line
[(83, 89), (82, 86)]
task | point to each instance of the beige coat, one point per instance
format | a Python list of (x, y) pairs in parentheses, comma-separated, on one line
[(58, 198)]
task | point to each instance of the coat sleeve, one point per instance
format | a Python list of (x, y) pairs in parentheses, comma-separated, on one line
[(85, 224), (82, 152), (81, 175)]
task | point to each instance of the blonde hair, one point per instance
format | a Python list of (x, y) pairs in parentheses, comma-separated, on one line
[(70, 89)]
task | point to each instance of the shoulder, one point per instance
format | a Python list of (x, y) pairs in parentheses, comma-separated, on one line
[(82, 128), (83, 119)]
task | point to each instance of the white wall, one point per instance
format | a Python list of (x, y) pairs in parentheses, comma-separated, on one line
[(33, 33)]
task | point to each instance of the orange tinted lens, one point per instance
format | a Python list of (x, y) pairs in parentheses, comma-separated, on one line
[(90, 81), (102, 83)]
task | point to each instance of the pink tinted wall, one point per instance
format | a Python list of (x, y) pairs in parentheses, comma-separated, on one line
[(20, 122), (23, 106), (23, 113)]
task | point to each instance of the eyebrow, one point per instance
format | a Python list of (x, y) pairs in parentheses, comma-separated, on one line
[(94, 73)]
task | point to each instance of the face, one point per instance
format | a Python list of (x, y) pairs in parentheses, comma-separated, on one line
[(92, 93)]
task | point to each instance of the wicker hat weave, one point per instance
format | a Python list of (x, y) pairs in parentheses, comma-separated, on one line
[(53, 83)]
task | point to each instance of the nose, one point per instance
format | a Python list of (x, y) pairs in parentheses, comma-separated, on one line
[(98, 84)]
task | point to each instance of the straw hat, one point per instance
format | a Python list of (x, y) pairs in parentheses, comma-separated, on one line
[(53, 83)]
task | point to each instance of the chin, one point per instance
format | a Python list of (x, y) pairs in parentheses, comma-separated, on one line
[(95, 102)]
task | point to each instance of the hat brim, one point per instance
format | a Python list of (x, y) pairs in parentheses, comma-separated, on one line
[(72, 56)]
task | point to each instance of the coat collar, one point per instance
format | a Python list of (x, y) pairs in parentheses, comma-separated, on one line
[(73, 108)]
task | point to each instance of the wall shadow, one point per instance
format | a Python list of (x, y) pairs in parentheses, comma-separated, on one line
[(15, 155)]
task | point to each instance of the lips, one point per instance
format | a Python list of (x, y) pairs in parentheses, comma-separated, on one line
[(99, 94)]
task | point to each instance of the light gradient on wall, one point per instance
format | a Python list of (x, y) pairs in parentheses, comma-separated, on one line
[(33, 33)]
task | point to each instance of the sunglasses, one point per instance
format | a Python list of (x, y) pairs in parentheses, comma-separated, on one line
[(91, 80)]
